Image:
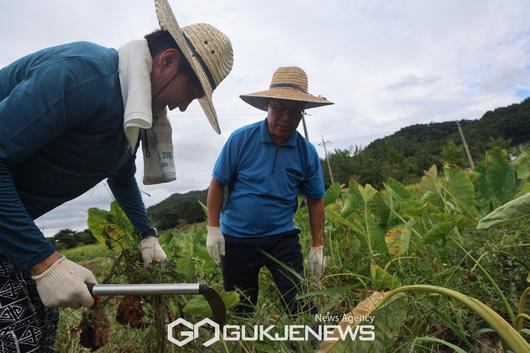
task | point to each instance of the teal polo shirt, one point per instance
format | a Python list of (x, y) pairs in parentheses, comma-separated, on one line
[(264, 181), (61, 133)]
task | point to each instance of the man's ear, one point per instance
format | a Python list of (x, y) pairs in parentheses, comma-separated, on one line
[(168, 58)]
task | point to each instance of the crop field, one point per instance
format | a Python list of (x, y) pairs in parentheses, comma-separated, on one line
[(442, 265)]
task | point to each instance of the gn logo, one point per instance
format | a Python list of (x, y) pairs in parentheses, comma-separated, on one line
[(190, 331)]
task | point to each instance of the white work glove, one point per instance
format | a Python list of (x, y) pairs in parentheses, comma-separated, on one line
[(316, 262), (63, 284), (215, 243), (151, 250)]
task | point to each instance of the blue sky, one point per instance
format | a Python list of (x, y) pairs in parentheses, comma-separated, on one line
[(386, 65), (523, 93)]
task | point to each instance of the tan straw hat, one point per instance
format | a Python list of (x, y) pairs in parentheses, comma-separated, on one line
[(289, 83), (208, 51)]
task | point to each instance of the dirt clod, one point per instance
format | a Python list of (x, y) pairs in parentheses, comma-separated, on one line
[(130, 312), (94, 328)]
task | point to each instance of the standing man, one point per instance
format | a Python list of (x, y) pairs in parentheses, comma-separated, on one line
[(71, 116), (265, 166)]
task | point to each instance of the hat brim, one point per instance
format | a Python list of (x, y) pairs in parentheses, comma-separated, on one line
[(259, 99), (168, 22)]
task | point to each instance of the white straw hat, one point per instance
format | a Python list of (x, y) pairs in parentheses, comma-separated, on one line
[(208, 51), (289, 83)]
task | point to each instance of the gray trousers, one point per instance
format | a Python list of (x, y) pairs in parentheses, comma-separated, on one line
[(26, 325)]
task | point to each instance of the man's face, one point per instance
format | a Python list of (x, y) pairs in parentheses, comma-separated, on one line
[(283, 118), (182, 88)]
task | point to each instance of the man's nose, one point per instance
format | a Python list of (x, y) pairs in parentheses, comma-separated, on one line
[(288, 115), (184, 106)]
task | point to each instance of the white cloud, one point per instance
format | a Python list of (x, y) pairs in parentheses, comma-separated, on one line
[(385, 64)]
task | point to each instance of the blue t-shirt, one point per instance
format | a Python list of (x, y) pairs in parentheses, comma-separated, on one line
[(264, 181)]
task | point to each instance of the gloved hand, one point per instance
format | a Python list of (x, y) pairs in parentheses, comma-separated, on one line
[(63, 284), (316, 262), (215, 243), (151, 250)]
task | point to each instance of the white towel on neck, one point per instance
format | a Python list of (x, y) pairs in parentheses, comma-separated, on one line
[(135, 65)]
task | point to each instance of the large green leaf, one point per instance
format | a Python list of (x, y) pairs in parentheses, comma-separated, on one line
[(439, 232), (231, 298), (122, 226), (198, 306), (332, 193), (525, 189), (358, 216), (115, 233), (352, 204), (430, 188), (119, 217), (397, 239), (381, 279), (522, 166), (97, 223), (112, 226), (367, 192), (398, 189), (372, 231), (397, 199), (500, 175), (480, 181), (518, 208), (429, 181), (353, 200), (381, 207), (351, 225), (460, 188), (375, 235), (365, 227)]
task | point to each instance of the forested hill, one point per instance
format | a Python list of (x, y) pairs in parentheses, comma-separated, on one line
[(413, 149), (178, 209)]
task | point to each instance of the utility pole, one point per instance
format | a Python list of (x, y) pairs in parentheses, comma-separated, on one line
[(305, 127), (324, 143), (471, 163)]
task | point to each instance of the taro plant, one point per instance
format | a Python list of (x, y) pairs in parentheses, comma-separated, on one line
[(388, 321), (429, 219), (112, 228)]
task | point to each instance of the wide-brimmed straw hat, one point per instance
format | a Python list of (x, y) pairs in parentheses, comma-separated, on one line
[(289, 83), (208, 51)]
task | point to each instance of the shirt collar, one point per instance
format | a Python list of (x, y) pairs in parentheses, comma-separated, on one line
[(266, 136)]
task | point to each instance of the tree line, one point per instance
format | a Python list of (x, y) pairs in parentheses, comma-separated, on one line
[(406, 154)]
